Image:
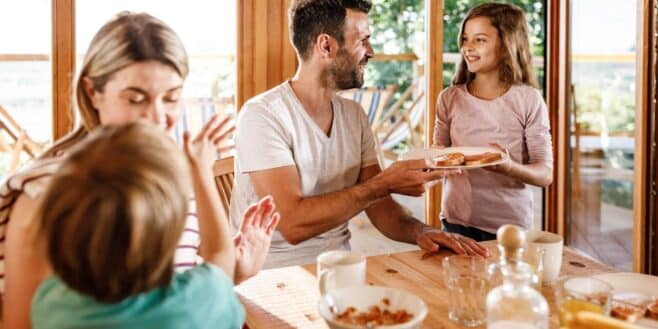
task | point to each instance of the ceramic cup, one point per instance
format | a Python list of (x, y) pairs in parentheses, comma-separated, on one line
[(552, 246), (340, 269)]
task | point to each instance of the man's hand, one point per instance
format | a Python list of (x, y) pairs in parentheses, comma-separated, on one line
[(408, 177), (432, 239), (253, 240)]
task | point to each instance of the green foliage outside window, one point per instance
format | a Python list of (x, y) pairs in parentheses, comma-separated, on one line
[(455, 11), (398, 26)]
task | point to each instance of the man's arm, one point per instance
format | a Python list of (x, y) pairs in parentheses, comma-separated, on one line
[(305, 217), (396, 223)]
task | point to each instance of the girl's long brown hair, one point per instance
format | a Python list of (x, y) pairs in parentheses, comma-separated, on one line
[(126, 39), (516, 62)]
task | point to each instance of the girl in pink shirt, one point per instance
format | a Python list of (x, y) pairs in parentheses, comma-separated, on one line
[(493, 101)]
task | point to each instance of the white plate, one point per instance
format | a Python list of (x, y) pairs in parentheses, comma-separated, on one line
[(466, 150), (629, 285)]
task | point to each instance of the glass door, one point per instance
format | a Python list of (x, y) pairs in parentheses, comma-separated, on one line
[(602, 124)]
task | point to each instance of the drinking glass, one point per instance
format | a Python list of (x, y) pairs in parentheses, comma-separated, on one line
[(581, 293), (465, 279)]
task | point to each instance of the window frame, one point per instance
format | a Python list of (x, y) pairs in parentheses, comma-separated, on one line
[(265, 58)]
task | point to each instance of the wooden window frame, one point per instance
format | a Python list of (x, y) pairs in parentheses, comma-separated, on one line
[(643, 101), (63, 66), (434, 83), (652, 241), (557, 101)]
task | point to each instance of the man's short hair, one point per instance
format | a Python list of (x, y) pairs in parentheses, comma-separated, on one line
[(310, 18)]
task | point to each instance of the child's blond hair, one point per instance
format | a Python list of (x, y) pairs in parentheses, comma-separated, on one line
[(516, 62), (113, 214)]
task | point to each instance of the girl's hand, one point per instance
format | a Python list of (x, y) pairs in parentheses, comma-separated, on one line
[(203, 149), (504, 167), (253, 240)]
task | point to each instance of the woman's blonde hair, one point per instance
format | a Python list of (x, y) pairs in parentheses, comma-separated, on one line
[(113, 214), (126, 39), (516, 62)]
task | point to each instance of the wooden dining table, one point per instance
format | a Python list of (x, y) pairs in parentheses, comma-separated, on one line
[(288, 297)]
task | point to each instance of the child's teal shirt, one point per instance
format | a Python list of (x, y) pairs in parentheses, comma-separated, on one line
[(201, 297)]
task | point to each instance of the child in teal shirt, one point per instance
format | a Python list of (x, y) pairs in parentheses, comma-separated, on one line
[(110, 222)]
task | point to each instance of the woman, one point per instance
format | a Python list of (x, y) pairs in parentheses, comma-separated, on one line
[(134, 70)]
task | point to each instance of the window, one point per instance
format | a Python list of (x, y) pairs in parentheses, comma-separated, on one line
[(208, 31), (25, 77)]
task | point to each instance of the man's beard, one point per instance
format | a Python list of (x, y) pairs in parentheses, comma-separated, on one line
[(345, 73)]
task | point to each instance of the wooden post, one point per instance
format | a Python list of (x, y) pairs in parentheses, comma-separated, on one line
[(63, 65), (434, 84), (643, 103), (265, 57), (557, 99)]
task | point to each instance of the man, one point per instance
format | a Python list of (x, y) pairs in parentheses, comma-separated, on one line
[(314, 151)]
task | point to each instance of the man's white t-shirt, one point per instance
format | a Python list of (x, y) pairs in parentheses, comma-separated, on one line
[(274, 130)]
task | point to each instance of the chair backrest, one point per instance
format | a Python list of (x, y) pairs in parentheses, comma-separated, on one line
[(223, 170), (17, 135), (399, 124), (195, 114), (372, 99)]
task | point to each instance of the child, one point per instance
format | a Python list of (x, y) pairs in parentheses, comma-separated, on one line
[(493, 101), (110, 222)]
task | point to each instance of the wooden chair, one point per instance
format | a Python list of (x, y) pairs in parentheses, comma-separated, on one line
[(372, 99), (402, 122), (15, 140), (223, 170), (196, 112)]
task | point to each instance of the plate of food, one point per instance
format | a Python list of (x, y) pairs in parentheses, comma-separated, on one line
[(635, 297), (459, 157)]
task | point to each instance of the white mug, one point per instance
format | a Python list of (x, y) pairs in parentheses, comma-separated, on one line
[(340, 269), (552, 244)]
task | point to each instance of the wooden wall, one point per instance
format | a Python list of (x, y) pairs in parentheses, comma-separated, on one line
[(265, 56)]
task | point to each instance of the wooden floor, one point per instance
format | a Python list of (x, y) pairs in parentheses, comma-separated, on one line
[(369, 241), (601, 230)]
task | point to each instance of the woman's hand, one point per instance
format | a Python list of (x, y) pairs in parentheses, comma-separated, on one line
[(506, 166), (203, 149), (253, 240)]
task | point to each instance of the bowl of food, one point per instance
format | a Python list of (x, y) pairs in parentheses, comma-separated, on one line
[(372, 307)]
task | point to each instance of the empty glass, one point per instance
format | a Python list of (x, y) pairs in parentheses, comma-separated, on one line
[(465, 279)]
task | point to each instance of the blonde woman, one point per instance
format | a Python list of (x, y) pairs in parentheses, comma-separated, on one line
[(117, 270), (494, 100), (134, 70)]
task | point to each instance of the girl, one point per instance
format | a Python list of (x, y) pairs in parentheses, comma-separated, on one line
[(116, 271), (493, 100), (134, 69)]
